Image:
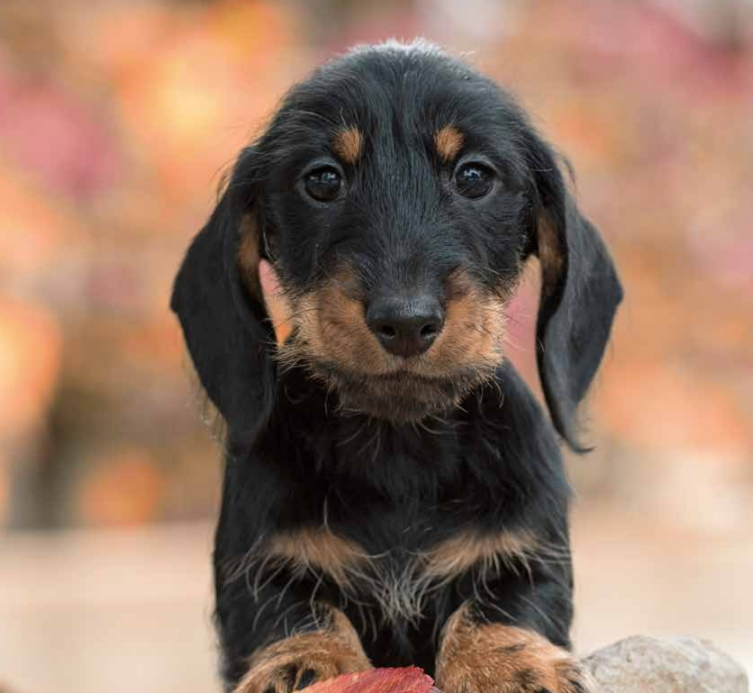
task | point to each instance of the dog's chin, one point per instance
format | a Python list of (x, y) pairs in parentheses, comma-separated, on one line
[(400, 397)]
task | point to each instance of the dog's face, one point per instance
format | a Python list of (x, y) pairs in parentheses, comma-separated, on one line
[(395, 207), (398, 193)]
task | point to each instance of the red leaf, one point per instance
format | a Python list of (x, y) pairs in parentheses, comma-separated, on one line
[(402, 680)]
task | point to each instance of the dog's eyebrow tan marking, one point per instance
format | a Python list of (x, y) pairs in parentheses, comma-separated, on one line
[(348, 144), (448, 141)]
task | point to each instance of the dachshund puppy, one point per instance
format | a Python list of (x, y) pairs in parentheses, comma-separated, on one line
[(393, 493)]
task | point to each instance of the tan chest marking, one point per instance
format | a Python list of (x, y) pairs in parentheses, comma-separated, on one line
[(316, 550), (486, 552), (400, 587)]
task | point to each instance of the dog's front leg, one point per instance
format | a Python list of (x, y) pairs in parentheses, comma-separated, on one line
[(278, 629), (483, 657), (504, 642), (294, 662)]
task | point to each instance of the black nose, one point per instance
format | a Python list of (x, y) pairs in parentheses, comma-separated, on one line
[(405, 327)]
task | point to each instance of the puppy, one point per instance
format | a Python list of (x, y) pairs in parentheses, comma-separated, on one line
[(393, 493)]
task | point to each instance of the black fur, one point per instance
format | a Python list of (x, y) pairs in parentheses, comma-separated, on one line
[(292, 458)]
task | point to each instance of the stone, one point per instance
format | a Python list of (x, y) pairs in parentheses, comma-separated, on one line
[(644, 664)]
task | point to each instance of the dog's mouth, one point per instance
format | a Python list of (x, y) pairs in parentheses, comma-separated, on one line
[(331, 341), (402, 396)]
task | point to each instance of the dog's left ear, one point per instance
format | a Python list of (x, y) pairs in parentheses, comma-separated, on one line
[(222, 313), (579, 295)]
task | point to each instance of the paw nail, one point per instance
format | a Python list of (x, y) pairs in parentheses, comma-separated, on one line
[(305, 679)]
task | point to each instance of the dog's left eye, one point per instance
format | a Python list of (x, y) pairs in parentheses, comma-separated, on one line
[(323, 184), (474, 180)]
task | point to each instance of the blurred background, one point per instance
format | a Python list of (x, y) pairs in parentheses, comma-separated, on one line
[(117, 118)]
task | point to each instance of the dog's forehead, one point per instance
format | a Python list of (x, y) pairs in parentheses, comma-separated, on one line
[(395, 90)]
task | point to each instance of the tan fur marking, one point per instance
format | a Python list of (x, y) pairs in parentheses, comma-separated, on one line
[(348, 144), (334, 649), (469, 548), (316, 549), (551, 254), (332, 327), (248, 255), (477, 658), (474, 328), (401, 595), (248, 262), (448, 141)]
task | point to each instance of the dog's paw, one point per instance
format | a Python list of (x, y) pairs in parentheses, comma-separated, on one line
[(286, 677), (301, 660), (296, 671), (500, 659)]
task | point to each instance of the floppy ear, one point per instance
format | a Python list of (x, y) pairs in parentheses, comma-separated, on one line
[(221, 313), (579, 295)]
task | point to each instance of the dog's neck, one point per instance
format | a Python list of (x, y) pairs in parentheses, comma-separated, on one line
[(406, 460), (313, 466)]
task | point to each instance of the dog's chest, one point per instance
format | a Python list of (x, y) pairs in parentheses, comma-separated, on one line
[(397, 582), (398, 579), (395, 579)]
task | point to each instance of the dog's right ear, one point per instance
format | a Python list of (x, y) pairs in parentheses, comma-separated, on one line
[(580, 293), (221, 310)]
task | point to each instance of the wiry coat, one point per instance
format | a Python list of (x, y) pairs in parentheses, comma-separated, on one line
[(380, 509)]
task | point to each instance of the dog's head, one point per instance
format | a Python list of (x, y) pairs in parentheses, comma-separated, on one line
[(398, 193)]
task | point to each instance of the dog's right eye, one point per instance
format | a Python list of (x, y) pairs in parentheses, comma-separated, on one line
[(323, 184), (474, 180)]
